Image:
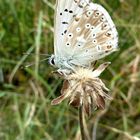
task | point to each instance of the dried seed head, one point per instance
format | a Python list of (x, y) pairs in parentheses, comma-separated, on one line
[(85, 88)]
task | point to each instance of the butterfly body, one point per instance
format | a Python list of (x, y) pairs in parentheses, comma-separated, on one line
[(65, 65), (84, 33)]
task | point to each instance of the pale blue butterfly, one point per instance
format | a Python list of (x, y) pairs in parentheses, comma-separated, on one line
[(84, 32)]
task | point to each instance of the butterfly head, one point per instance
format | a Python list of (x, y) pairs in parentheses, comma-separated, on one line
[(62, 64), (52, 60)]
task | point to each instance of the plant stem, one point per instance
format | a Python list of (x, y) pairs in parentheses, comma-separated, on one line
[(81, 121)]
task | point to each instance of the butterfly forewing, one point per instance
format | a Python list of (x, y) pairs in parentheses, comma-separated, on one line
[(84, 31), (65, 12)]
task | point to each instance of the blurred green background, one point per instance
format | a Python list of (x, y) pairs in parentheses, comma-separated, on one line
[(26, 26)]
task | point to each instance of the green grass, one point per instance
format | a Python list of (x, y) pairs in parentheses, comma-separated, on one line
[(25, 94)]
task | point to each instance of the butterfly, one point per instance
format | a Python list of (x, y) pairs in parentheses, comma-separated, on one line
[(83, 33)]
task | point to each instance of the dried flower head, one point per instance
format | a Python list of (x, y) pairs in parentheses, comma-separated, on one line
[(84, 87)]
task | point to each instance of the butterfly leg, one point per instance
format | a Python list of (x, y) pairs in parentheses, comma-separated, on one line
[(63, 72)]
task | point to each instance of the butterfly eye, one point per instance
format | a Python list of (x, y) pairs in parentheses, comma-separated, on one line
[(87, 25), (78, 29), (70, 35), (52, 61)]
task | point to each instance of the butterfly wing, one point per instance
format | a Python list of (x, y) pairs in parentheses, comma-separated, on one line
[(64, 15), (85, 34)]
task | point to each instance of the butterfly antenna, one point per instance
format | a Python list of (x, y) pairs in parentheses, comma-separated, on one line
[(41, 54), (29, 65)]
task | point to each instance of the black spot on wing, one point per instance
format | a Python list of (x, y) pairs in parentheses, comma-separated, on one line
[(66, 10), (65, 31), (70, 11), (64, 22), (80, 6)]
